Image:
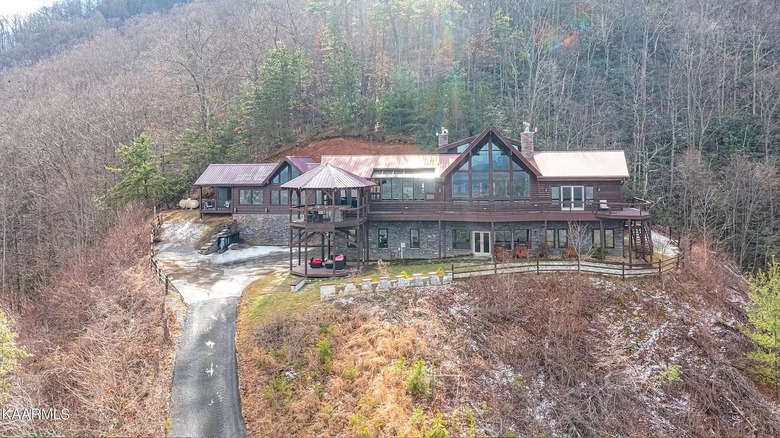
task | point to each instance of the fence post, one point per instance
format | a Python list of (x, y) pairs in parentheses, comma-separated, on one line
[(166, 285), (495, 267), (578, 264), (537, 265), (624, 270), (453, 271), (659, 267)]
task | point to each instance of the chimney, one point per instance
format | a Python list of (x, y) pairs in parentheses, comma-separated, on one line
[(527, 141), (444, 137)]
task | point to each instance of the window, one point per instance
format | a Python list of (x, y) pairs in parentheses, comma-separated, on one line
[(563, 239), (414, 238), (250, 197), (397, 189), (479, 159), (383, 238), (609, 239), (501, 185), (572, 197), (521, 185), (589, 194), (480, 185), (278, 197), (294, 173), (461, 239), (283, 176), (460, 185), (557, 239), (555, 194), (407, 188), (503, 239), (521, 237)]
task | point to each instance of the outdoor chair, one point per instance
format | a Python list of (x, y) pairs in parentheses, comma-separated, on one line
[(341, 262)]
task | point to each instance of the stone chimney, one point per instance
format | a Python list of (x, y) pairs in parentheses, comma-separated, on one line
[(444, 137), (527, 141)]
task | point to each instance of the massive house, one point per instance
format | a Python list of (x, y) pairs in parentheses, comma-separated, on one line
[(478, 196)]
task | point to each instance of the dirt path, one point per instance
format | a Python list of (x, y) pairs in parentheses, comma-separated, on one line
[(205, 397)]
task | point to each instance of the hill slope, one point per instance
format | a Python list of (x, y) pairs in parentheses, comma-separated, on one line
[(531, 354)]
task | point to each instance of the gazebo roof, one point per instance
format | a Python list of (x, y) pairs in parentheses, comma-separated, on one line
[(327, 176)]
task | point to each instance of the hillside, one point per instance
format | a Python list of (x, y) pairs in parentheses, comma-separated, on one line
[(344, 146), (531, 355)]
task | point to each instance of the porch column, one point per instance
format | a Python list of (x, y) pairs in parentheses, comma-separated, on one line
[(630, 243)]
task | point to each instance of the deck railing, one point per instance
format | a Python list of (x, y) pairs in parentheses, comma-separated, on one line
[(538, 266), (327, 213), (498, 207)]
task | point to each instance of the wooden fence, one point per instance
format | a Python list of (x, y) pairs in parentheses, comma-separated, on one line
[(538, 266), (154, 236)]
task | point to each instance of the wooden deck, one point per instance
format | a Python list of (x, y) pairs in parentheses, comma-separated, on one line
[(352, 269)]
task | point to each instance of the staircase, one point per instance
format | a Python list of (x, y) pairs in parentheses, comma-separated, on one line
[(642, 241), (220, 241)]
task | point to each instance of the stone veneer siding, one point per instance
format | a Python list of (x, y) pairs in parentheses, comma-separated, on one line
[(264, 229), (399, 232)]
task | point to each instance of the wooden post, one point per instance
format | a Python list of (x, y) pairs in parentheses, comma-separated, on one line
[(166, 329), (623, 265), (630, 243), (659, 267), (291, 246), (166, 285), (537, 261)]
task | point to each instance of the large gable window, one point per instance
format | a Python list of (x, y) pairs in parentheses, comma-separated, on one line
[(490, 172), (283, 175)]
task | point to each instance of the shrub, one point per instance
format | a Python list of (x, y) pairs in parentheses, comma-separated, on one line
[(521, 252), (502, 255), (278, 392), (419, 382), (569, 253), (349, 373), (406, 276), (440, 271), (325, 354), (671, 374), (436, 427), (600, 253)]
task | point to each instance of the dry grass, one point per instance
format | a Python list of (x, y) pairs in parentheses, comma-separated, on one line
[(533, 355), (95, 335)]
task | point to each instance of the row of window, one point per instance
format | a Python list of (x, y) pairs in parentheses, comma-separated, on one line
[(405, 188), (255, 197), (414, 238), (461, 239)]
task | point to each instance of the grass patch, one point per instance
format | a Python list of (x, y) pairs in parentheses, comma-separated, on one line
[(267, 296)]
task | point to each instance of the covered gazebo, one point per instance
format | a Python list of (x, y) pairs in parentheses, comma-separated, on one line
[(330, 203)]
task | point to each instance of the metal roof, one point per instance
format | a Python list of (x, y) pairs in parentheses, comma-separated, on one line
[(302, 163), (365, 165), (235, 174), (327, 176), (582, 164)]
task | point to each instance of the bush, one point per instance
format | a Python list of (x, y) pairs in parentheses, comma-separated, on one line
[(325, 354), (502, 255), (671, 374), (349, 373), (419, 383), (278, 392), (569, 253), (521, 252), (436, 427), (600, 254)]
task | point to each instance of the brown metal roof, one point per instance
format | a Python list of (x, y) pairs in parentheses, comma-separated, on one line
[(302, 163), (327, 176), (235, 174), (365, 165), (582, 164)]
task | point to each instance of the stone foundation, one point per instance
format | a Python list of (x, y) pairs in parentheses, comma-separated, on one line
[(368, 286), (264, 229)]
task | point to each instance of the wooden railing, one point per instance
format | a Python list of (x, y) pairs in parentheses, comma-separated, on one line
[(497, 207), (327, 213), (538, 266)]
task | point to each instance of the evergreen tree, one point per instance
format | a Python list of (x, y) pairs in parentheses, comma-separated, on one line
[(142, 180), (764, 315)]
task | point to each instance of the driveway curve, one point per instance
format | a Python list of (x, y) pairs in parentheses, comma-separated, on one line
[(205, 399)]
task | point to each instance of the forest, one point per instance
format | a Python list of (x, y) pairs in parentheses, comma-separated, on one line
[(689, 89)]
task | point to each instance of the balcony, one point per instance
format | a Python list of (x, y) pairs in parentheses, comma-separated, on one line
[(324, 216)]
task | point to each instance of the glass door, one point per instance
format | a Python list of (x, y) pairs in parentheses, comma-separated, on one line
[(481, 244)]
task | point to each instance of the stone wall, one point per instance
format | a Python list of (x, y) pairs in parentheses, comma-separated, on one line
[(264, 229)]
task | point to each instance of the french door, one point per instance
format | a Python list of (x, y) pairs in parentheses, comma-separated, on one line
[(481, 243), (572, 198)]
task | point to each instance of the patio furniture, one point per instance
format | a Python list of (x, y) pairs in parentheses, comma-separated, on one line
[(341, 262), (328, 264), (315, 263)]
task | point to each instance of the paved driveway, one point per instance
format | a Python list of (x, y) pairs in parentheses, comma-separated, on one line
[(205, 397)]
